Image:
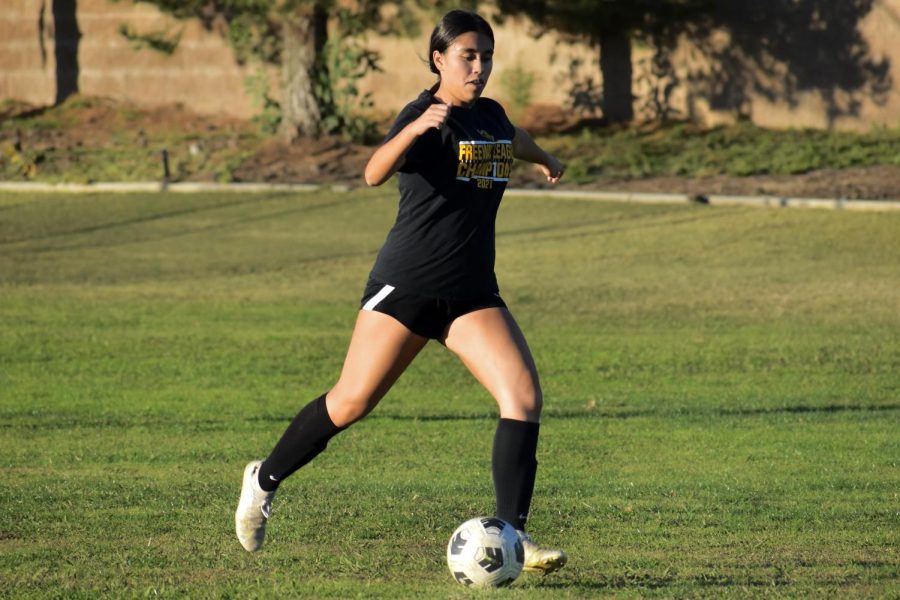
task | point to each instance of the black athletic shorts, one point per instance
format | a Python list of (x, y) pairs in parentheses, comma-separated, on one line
[(428, 317)]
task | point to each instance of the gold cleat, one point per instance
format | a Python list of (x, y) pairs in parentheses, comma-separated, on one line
[(541, 560)]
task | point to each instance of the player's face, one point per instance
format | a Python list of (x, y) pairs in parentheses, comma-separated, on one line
[(465, 68)]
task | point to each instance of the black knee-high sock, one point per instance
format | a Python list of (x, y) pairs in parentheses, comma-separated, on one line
[(304, 439), (514, 465)]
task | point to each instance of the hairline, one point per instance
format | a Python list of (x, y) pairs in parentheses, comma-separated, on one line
[(491, 49)]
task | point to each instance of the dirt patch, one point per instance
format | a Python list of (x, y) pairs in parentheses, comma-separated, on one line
[(321, 160), (87, 122), (332, 160), (58, 144)]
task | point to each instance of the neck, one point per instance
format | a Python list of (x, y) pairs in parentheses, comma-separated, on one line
[(445, 97)]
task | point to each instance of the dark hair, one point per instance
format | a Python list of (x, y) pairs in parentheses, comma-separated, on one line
[(451, 26)]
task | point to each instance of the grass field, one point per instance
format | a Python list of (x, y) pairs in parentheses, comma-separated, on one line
[(722, 391)]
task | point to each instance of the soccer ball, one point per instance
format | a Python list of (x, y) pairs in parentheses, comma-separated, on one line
[(485, 552)]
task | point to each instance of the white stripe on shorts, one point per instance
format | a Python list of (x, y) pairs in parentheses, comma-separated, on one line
[(381, 295)]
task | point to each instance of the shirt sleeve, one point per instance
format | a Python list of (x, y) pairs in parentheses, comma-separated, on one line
[(499, 115), (421, 148)]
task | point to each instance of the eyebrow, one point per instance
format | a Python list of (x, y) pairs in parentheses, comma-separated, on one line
[(475, 50)]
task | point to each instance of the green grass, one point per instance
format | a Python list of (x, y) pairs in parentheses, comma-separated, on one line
[(88, 139), (721, 400), (737, 150)]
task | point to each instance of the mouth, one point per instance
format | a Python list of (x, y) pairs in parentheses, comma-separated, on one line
[(478, 83)]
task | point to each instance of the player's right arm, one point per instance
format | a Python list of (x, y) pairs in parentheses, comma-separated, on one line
[(391, 155)]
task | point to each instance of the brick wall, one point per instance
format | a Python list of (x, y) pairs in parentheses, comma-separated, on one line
[(27, 64), (203, 75)]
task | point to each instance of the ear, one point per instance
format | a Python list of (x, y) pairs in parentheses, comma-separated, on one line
[(438, 60)]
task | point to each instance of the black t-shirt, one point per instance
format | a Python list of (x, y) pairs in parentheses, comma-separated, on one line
[(442, 244)]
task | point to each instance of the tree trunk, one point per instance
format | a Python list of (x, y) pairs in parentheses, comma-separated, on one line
[(304, 33), (67, 38), (615, 66)]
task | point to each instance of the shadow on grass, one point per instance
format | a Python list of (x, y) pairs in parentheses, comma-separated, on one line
[(49, 422), (565, 231), (124, 223), (827, 408), (633, 581), (167, 215), (615, 582)]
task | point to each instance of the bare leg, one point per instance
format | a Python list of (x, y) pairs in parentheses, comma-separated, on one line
[(493, 348), (491, 345), (380, 350)]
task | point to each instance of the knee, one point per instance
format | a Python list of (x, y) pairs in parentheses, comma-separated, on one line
[(348, 407), (523, 402)]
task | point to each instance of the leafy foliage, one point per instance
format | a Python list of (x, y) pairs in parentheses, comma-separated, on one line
[(518, 83), (160, 41), (343, 61), (269, 116), (252, 29), (680, 149)]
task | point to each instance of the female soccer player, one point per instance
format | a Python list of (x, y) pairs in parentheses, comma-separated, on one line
[(434, 279)]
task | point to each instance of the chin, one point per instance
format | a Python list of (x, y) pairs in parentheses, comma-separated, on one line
[(472, 97)]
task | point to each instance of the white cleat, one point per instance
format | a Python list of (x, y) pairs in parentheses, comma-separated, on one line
[(541, 560), (253, 510)]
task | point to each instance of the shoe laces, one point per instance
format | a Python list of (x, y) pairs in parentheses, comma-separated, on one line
[(266, 507)]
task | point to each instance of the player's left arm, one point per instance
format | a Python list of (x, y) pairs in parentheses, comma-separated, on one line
[(525, 148)]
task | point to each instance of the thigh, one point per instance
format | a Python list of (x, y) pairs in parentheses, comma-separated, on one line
[(380, 350), (493, 348)]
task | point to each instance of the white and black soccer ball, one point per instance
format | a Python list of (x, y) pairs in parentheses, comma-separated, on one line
[(485, 552)]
